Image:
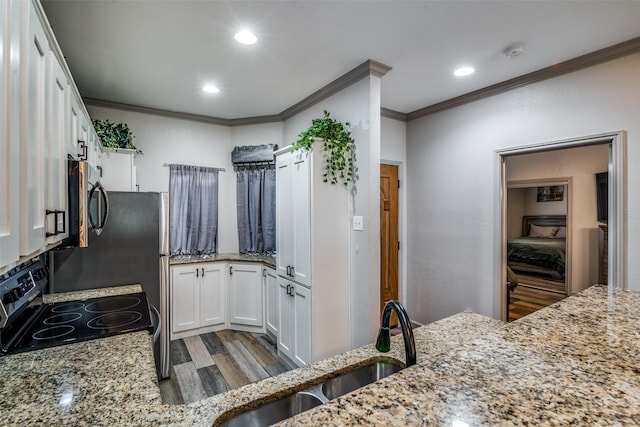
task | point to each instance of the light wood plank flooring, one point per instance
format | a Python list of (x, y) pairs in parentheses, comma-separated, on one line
[(526, 300), (208, 364)]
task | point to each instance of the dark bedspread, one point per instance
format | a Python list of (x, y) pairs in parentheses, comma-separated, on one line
[(546, 253)]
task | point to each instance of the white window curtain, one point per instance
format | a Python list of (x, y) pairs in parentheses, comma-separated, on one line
[(193, 210)]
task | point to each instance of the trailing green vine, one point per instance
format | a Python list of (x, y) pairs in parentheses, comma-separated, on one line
[(115, 135), (339, 148)]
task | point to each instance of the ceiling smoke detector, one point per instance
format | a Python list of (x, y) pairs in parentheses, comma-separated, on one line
[(513, 51)]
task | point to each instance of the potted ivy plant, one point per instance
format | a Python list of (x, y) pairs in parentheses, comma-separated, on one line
[(115, 135), (339, 147)]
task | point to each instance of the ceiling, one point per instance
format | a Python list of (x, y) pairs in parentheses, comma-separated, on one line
[(159, 54)]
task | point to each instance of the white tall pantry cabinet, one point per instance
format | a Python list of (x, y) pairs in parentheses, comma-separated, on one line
[(312, 233)]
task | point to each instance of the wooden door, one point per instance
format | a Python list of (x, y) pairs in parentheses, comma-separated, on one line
[(388, 235)]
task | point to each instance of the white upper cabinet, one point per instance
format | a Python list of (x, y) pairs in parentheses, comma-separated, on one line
[(293, 212), (119, 170), (56, 139), (9, 135), (73, 145), (33, 64)]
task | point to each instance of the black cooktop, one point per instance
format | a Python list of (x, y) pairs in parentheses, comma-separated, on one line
[(81, 320)]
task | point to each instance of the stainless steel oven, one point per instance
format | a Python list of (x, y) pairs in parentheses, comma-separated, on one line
[(88, 205)]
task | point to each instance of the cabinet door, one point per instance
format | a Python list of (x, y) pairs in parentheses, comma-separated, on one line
[(185, 304), (302, 321), (284, 231), (271, 288), (245, 294), (301, 221), (118, 171), (9, 137), (213, 297), (34, 49), (56, 138), (73, 146), (285, 318)]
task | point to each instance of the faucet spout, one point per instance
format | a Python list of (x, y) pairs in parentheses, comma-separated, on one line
[(383, 342)]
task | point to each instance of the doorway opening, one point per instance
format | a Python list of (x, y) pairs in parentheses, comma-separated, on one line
[(581, 230)]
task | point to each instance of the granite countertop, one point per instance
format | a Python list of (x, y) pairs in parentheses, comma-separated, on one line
[(269, 260), (575, 362)]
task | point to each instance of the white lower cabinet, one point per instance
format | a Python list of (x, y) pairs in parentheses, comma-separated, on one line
[(198, 298), (271, 301), (210, 296), (294, 321), (245, 297)]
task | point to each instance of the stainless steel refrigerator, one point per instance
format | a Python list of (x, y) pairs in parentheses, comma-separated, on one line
[(132, 249)]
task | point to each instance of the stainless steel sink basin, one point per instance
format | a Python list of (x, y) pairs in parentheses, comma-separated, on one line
[(291, 405), (271, 413), (353, 380)]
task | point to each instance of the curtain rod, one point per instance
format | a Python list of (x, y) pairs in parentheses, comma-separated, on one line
[(219, 169)]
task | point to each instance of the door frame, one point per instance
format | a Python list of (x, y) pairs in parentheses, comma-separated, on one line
[(617, 257)]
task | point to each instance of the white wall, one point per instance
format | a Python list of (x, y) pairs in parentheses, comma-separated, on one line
[(171, 140), (393, 151), (357, 105), (452, 178)]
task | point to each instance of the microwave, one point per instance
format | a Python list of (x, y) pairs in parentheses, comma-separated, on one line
[(88, 204)]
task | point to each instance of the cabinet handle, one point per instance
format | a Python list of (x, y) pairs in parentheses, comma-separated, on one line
[(289, 290), (83, 154), (55, 220), (230, 269), (197, 272), (99, 170), (202, 271), (264, 272), (288, 271), (293, 271)]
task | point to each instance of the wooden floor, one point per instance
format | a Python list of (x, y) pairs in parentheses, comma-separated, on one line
[(541, 282), (208, 364), (526, 300)]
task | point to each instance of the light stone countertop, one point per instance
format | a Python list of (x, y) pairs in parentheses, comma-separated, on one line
[(576, 362), (268, 260)]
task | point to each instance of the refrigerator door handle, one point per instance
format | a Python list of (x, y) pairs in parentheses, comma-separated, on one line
[(158, 325)]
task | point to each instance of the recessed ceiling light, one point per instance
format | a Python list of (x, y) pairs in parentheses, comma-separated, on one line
[(245, 37), (210, 89), (463, 71)]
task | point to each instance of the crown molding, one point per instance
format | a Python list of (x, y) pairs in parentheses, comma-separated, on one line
[(578, 63), (366, 69), (393, 114), (157, 111)]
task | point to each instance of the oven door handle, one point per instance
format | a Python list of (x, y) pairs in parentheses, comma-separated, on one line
[(158, 324)]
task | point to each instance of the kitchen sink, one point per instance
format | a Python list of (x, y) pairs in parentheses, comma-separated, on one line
[(350, 381), (271, 413), (296, 403)]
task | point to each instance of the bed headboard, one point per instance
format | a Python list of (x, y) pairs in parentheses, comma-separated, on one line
[(542, 221)]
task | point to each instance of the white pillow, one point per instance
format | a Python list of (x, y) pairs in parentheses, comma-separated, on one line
[(537, 231), (561, 233)]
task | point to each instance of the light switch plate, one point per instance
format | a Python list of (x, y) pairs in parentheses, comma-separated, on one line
[(357, 223)]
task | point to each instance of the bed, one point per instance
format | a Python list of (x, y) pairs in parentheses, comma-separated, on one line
[(542, 248)]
